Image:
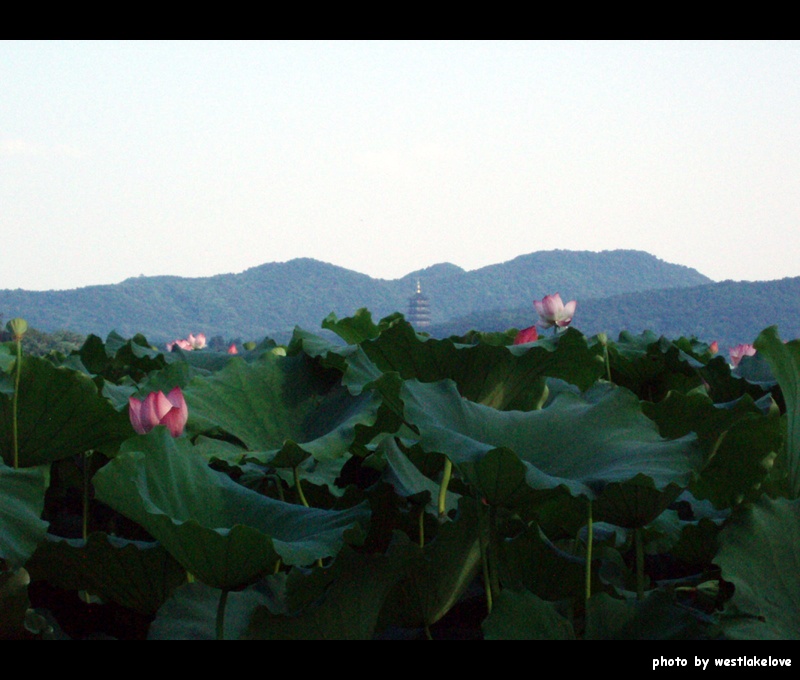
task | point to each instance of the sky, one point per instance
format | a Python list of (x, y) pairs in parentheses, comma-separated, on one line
[(128, 158)]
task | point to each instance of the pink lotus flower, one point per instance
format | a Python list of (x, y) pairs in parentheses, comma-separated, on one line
[(740, 351), (713, 347), (526, 335), (183, 344), (232, 349), (191, 343), (553, 312), (197, 341), (157, 409)]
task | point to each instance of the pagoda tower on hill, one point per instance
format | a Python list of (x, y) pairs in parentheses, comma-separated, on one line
[(419, 309)]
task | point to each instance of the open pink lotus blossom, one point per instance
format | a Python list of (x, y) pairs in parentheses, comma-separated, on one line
[(740, 351), (191, 343), (232, 349), (197, 341), (157, 409), (526, 335), (553, 312)]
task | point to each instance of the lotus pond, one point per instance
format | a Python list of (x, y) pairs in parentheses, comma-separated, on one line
[(366, 481)]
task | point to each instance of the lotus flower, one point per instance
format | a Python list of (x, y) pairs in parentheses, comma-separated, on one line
[(740, 351), (526, 335), (553, 312), (183, 344), (157, 409), (232, 349), (713, 347), (191, 343), (197, 341)]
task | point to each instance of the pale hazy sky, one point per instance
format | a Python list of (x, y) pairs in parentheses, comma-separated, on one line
[(201, 158)]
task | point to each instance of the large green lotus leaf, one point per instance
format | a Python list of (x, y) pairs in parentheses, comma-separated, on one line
[(759, 552), (784, 360), (353, 590), (407, 479), (191, 612), (740, 440), (697, 544), (60, 414), (525, 616), (358, 369), (220, 531), (21, 503), (278, 399), (136, 575), (657, 617), (531, 562), (651, 366), (8, 356), (356, 329), (440, 573), (505, 378), (742, 463), (581, 443), (119, 358)]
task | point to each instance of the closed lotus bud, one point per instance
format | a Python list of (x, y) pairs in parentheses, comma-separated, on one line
[(602, 339), (17, 328), (526, 335), (159, 409)]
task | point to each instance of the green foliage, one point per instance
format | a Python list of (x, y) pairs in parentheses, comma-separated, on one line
[(590, 489)]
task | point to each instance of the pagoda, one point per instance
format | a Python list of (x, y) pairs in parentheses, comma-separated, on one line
[(419, 309)]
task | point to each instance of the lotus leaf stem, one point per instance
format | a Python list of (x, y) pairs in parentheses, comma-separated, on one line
[(299, 487), (223, 600), (87, 457), (589, 546), (639, 538), (15, 402), (487, 586), (446, 474)]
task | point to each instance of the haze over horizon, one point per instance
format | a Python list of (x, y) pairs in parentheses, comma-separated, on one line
[(198, 158)]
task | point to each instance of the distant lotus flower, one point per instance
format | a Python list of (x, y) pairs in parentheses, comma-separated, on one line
[(197, 341), (526, 335), (191, 343), (157, 409), (740, 351), (183, 344), (714, 347), (553, 312), (232, 349)]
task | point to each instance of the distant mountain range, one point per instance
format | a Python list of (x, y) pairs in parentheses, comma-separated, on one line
[(616, 289), (269, 300)]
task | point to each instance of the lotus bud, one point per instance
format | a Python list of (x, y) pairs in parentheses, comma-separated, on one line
[(159, 409), (17, 328), (526, 335)]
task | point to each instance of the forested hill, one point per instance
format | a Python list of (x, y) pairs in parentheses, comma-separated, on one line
[(273, 298), (730, 312)]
